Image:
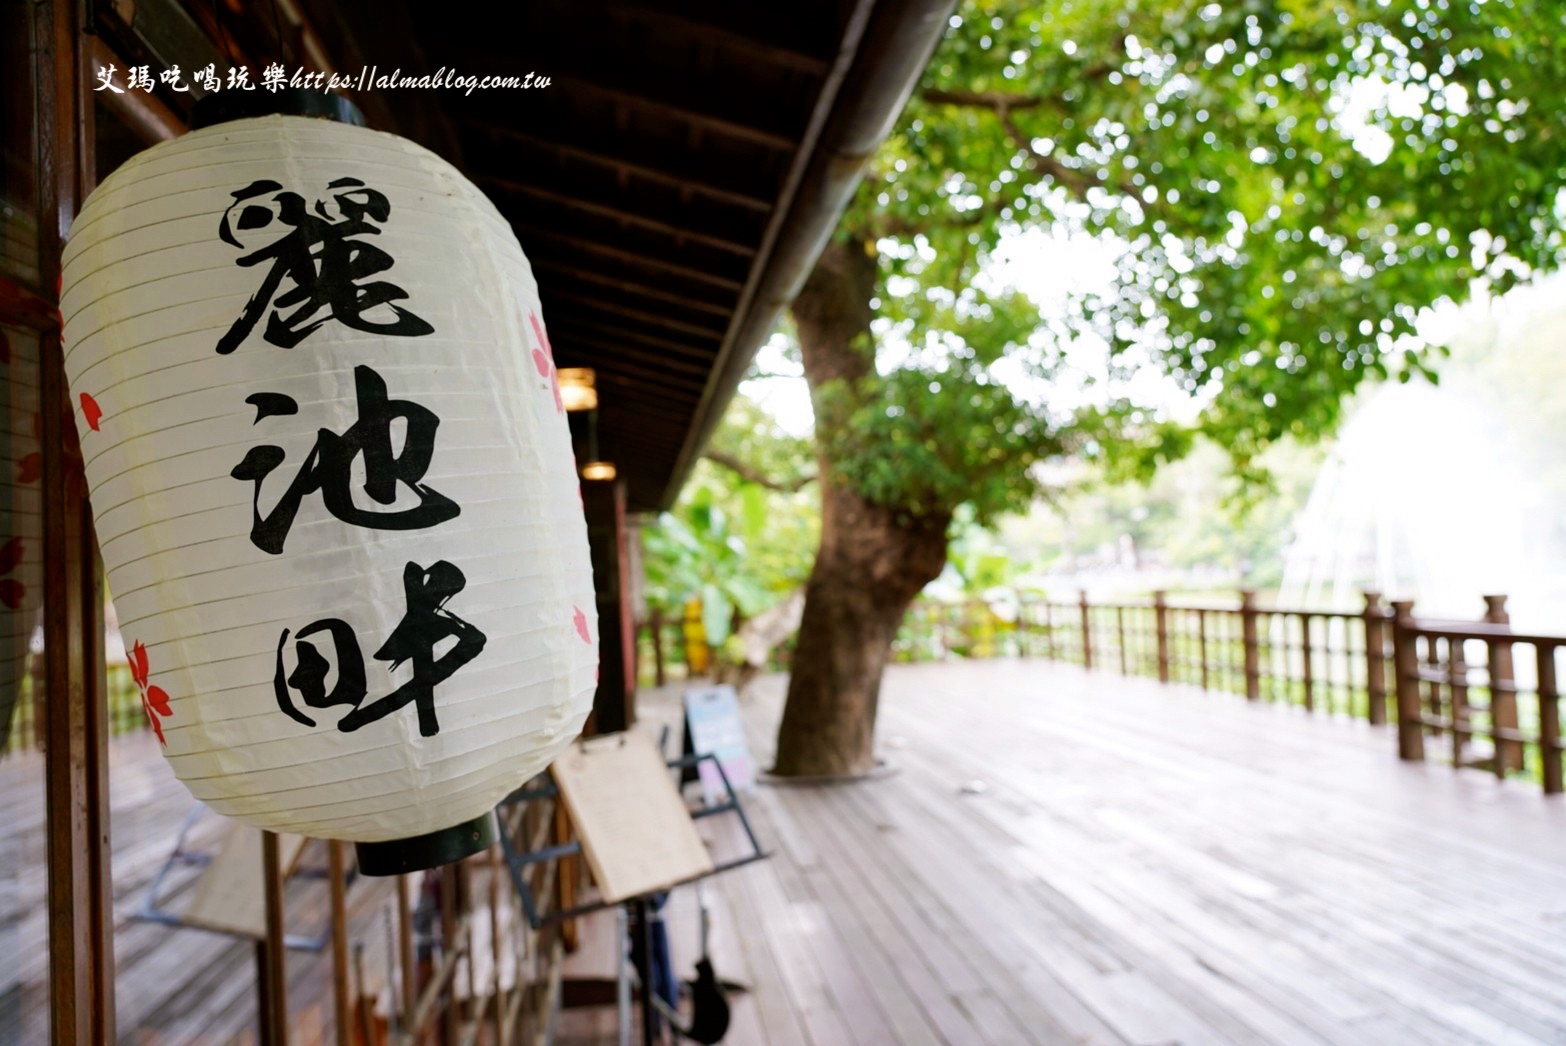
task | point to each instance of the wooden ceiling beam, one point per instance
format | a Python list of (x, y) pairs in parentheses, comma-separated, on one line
[(641, 290), (726, 40), (613, 356), (604, 210), (707, 121), (700, 353), (630, 257), (655, 318), (664, 173)]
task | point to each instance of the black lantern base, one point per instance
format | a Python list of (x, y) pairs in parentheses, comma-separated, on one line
[(398, 856)]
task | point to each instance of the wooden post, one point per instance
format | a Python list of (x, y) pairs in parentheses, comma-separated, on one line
[(274, 1022), (659, 678), (1023, 627), (405, 958), (1405, 661), (1120, 640), (1457, 685), (1307, 670), (1201, 642), (336, 868), (1375, 659), (1252, 648), (1087, 635), (1549, 721), (1161, 625), (1503, 689)]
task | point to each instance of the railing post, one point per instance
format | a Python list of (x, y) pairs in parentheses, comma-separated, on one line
[(1087, 635), (1120, 639), (1307, 671), (1049, 629), (1405, 661), (1503, 692), (1023, 626), (1252, 648), (1201, 642), (1161, 624), (1549, 721), (1375, 659)]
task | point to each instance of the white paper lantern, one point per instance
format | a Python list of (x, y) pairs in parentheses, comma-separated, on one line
[(332, 478)]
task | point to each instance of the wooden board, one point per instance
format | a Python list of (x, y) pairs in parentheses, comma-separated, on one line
[(635, 831), (230, 895)]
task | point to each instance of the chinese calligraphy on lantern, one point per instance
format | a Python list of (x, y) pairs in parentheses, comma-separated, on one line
[(325, 259), (319, 268)]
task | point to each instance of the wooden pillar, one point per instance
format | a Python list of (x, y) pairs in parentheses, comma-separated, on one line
[(1405, 660), (80, 907), (1252, 647), (614, 705), (337, 870), (1375, 659), (1087, 634), (656, 627), (1161, 627), (274, 971), (1503, 693)]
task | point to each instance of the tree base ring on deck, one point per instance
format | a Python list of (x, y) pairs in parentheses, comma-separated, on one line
[(882, 768), (421, 852)]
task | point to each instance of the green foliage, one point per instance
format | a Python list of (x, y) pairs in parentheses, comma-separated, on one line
[(1284, 185), (1190, 516), (731, 543), (929, 440)]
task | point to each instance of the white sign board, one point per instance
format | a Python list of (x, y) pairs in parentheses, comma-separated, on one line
[(712, 715)]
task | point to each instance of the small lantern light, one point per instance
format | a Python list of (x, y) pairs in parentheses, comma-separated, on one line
[(577, 389), (595, 468), (332, 478)]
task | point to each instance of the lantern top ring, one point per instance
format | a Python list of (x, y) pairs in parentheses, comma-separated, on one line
[(223, 106)]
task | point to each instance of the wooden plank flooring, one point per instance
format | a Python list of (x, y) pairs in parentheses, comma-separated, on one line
[(1133, 864), (173, 985), (1141, 865)]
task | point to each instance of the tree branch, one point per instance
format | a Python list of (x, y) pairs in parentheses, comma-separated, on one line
[(750, 475), (996, 100), (1003, 104)]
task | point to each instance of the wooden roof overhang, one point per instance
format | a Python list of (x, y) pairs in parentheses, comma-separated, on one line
[(674, 183), (671, 187)]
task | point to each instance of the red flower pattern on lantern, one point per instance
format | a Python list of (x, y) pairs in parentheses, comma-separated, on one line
[(91, 411), (544, 360), (153, 698), (581, 624)]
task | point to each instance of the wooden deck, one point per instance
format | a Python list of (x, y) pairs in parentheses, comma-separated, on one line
[(1130, 863), (173, 984), (1061, 857)]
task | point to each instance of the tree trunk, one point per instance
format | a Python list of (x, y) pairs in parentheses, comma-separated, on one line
[(873, 559)]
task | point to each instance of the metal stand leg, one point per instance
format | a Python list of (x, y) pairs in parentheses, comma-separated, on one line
[(623, 977), (649, 1012)]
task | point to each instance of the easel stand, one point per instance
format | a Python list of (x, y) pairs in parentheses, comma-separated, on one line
[(636, 833)]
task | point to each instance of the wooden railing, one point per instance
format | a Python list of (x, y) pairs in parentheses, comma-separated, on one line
[(126, 714), (1488, 694)]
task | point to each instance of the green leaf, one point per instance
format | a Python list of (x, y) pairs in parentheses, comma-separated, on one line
[(717, 613)]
